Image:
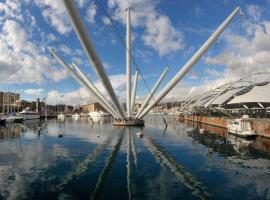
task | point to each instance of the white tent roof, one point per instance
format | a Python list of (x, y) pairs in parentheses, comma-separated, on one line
[(256, 94), (224, 97)]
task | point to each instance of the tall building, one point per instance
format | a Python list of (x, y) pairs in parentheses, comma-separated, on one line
[(8, 102)]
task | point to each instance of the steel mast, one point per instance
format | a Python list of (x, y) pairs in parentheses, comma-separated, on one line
[(95, 90), (134, 91), (152, 92), (83, 83), (192, 61), (128, 62), (89, 49)]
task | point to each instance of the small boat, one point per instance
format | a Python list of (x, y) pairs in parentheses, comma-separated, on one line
[(75, 116), (61, 116), (27, 114), (139, 134), (97, 116), (2, 121), (241, 127), (14, 119)]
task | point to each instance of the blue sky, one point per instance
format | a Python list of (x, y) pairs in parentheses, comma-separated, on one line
[(164, 33)]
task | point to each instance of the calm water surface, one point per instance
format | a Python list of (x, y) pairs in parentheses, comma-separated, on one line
[(173, 163)]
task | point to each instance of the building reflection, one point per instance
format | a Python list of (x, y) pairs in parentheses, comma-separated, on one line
[(10, 131), (15, 130)]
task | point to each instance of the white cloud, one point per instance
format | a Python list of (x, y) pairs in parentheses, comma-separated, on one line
[(65, 49), (159, 31), (82, 96), (54, 13), (10, 9), (51, 37), (197, 11), (106, 21), (77, 97), (21, 61), (254, 12), (244, 54), (181, 92), (91, 12), (81, 3), (34, 91), (106, 65)]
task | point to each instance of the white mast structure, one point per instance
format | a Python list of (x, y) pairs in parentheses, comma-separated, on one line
[(134, 91), (152, 92), (88, 46), (128, 62), (191, 62), (88, 85), (90, 51)]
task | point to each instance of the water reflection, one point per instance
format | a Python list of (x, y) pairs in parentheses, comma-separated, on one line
[(167, 161), (100, 161), (105, 172), (83, 166)]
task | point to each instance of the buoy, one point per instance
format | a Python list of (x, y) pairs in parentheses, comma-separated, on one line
[(139, 134)]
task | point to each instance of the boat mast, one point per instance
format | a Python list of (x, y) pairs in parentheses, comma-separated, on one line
[(128, 62), (191, 62)]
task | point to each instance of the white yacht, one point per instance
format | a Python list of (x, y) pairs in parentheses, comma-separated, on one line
[(76, 116), (27, 114), (241, 127), (61, 116), (98, 116), (14, 119)]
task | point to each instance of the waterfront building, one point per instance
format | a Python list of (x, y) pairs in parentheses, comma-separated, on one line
[(92, 107), (8, 102)]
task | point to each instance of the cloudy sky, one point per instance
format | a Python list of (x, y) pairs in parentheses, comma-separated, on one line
[(164, 33)]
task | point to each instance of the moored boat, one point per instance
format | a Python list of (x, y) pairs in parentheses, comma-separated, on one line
[(241, 127), (61, 116), (75, 116), (14, 119), (98, 116), (27, 114)]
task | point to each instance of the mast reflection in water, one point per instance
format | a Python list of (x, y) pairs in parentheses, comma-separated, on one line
[(101, 161)]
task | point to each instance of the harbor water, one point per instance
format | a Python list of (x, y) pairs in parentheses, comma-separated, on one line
[(76, 159)]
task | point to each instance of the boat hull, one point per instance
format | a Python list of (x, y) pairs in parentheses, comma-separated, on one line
[(61, 117), (14, 120), (242, 135), (31, 117), (2, 121)]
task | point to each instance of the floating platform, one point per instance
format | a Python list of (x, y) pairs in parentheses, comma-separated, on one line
[(129, 122)]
